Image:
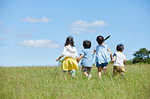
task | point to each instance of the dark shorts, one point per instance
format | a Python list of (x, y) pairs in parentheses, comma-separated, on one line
[(86, 69), (101, 65)]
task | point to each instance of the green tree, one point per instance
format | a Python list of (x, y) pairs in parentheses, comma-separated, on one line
[(143, 55)]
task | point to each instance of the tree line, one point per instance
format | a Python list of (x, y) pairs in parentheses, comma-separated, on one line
[(141, 56)]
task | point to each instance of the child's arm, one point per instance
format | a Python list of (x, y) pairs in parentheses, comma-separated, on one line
[(94, 51), (124, 61), (110, 54), (78, 59), (59, 58)]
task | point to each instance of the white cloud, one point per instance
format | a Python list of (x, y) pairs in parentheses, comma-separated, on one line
[(83, 26), (40, 43), (30, 19), (81, 23)]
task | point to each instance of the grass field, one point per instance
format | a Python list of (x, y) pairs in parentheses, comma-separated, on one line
[(48, 83)]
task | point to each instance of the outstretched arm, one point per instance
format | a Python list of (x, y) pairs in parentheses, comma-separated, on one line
[(94, 51), (124, 61), (110, 54), (78, 59), (59, 58)]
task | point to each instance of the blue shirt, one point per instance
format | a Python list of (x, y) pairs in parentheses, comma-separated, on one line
[(87, 59), (102, 54)]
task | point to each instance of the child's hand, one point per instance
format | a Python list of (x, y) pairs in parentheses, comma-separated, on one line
[(77, 60), (57, 59), (112, 60), (94, 51)]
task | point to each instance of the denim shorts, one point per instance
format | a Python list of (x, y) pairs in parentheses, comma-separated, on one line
[(101, 65)]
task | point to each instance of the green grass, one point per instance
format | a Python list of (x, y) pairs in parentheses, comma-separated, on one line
[(48, 83)]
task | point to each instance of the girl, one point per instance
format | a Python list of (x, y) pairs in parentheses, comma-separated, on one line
[(69, 63), (102, 55)]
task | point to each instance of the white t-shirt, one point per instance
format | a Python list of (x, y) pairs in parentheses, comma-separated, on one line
[(70, 51), (120, 57)]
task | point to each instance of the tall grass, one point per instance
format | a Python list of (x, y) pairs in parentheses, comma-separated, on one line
[(49, 83)]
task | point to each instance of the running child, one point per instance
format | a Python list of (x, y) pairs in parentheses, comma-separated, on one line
[(69, 63), (87, 59), (102, 55), (119, 60)]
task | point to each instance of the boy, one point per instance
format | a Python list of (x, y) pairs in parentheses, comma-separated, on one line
[(87, 59), (119, 61)]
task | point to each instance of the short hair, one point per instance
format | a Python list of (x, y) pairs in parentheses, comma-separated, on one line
[(87, 44), (69, 40), (100, 39), (120, 47)]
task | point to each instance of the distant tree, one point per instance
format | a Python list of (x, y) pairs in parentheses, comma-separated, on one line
[(129, 62), (143, 55)]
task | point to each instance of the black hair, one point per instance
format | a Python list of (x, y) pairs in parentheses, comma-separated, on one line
[(120, 47), (87, 44), (100, 39), (69, 40)]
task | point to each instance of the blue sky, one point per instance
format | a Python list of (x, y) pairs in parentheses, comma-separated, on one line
[(33, 32)]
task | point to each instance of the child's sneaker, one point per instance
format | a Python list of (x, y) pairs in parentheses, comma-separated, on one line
[(73, 73), (86, 75), (89, 77)]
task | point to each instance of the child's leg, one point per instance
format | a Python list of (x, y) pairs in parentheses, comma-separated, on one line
[(122, 74), (105, 70), (99, 72), (64, 74), (122, 71), (84, 71), (114, 71), (85, 74), (89, 73), (89, 70), (89, 76), (69, 72)]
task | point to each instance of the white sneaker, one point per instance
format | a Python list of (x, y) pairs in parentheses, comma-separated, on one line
[(73, 73), (89, 77)]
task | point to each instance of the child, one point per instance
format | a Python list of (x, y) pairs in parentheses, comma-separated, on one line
[(102, 55), (87, 59), (119, 60), (69, 63)]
